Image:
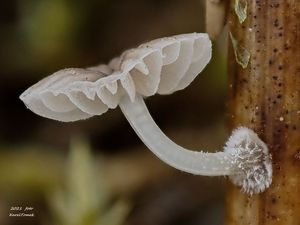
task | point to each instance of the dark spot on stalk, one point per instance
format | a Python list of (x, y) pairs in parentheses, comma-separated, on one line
[(273, 200), (286, 47)]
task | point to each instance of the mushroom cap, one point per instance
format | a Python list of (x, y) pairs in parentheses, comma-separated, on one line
[(161, 66)]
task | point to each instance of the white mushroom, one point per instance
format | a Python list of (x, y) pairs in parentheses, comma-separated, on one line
[(161, 66)]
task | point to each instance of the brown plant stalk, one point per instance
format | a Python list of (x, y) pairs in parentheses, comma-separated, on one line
[(264, 94)]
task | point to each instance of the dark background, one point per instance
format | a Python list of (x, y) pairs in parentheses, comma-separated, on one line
[(39, 37)]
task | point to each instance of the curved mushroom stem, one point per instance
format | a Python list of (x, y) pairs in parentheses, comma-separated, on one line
[(245, 157), (195, 162)]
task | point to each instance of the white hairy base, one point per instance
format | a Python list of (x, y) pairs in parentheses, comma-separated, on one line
[(251, 160), (161, 66), (245, 158)]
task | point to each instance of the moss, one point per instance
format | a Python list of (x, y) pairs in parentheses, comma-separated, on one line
[(240, 8), (242, 55)]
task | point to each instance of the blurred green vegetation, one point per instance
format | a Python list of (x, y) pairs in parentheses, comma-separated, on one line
[(84, 200), (75, 192), (92, 181)]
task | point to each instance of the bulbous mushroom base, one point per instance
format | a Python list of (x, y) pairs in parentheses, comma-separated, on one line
[(251, 161)]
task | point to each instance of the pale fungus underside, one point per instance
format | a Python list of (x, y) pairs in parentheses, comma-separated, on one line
[(161, 66)]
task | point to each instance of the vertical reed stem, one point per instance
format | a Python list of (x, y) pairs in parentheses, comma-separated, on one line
[(265, 96)]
